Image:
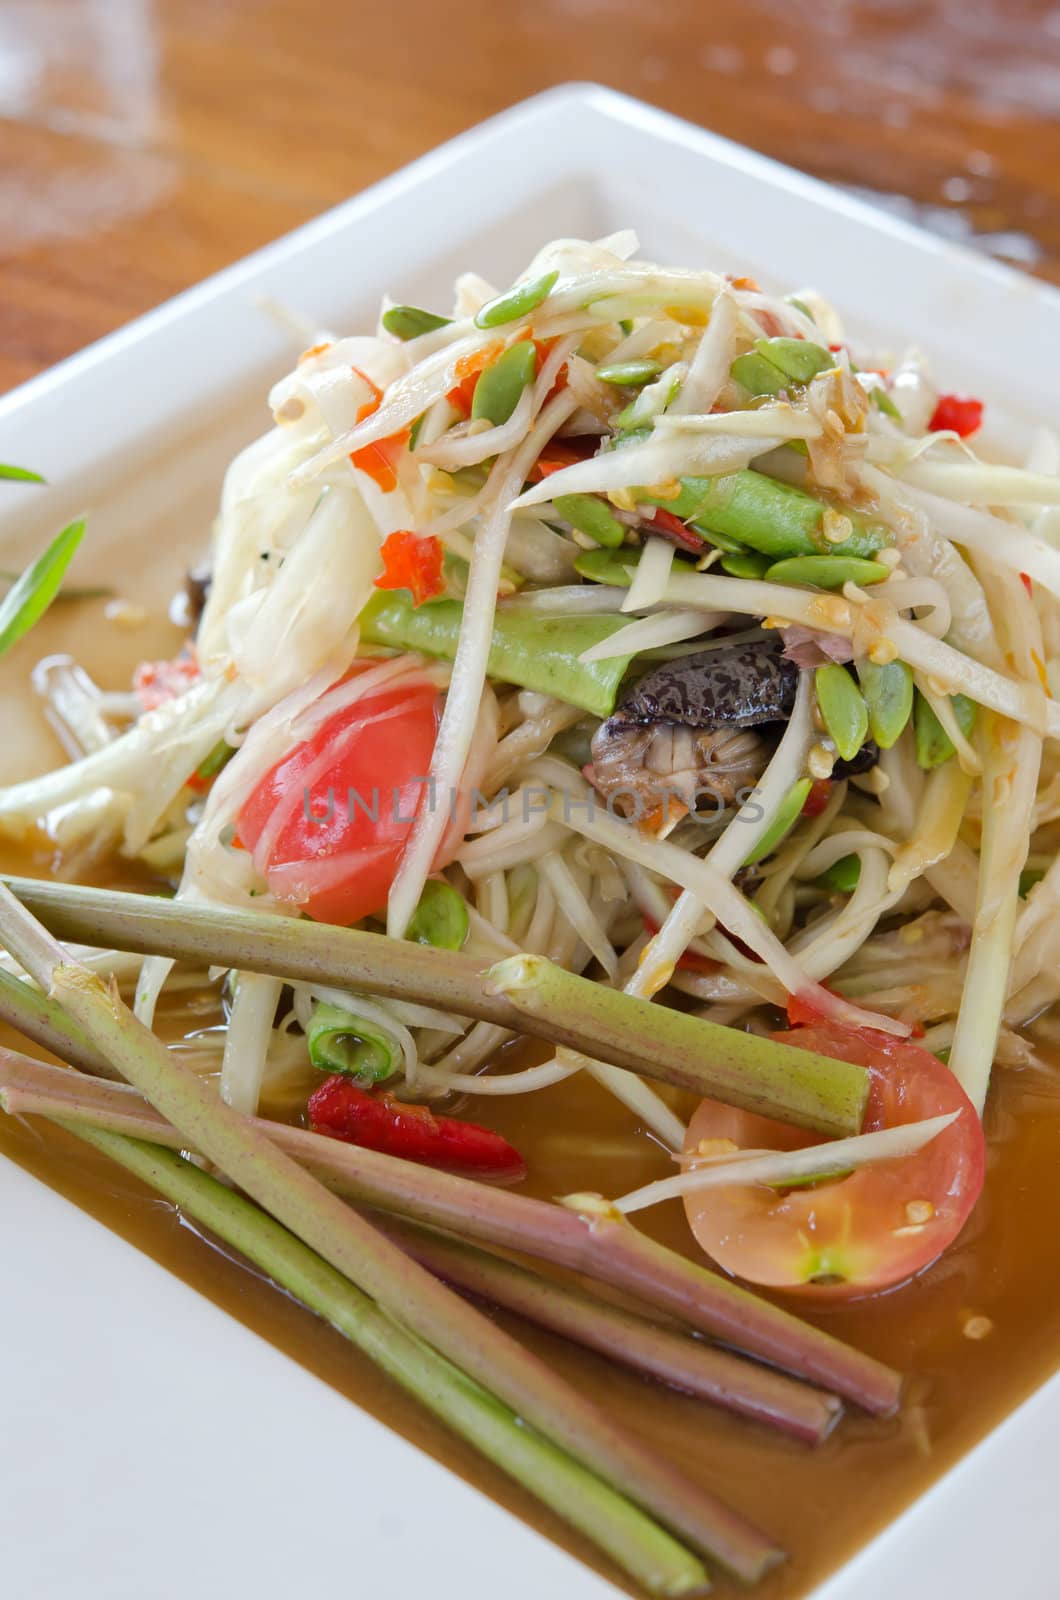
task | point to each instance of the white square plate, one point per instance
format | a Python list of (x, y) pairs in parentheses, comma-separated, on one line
[(149, 1445)]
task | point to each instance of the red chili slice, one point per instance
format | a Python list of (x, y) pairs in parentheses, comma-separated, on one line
[(954, 415), (671, 528), (343, 1110)]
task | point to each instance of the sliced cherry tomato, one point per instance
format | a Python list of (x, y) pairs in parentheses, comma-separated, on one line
[(412, 562), (378, 1122), (954, 415), (328, 824), (873, 1228)]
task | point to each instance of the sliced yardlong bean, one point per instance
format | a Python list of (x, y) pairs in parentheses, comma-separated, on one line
[(777, 519)]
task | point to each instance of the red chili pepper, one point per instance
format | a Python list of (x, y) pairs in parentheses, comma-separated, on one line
[(818, 797), (379, 460), (1025, 579), (341, 1109), (155, 682), (954, 415), (413, 562), (674, 531)]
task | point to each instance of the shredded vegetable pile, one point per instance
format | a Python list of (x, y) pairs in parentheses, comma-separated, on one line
[(633, 617)]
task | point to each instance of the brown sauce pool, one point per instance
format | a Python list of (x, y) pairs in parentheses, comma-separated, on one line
[(576, 1137), (820, 1504)]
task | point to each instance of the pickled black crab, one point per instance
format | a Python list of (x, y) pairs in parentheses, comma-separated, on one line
[(701, 730)]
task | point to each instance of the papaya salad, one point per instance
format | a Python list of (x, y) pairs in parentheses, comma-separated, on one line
[(626, 659)]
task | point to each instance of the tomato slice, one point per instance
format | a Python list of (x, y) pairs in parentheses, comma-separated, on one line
[(867, 1231), (328, 823)]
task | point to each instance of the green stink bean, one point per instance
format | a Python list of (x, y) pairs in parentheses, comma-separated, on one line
[(843, 876), (408, 322), (827, 572), (517, 302), (757, 375), (440, 918), (888, 692), (787, 814), (591, 516), (744, 564), (933, 743), (628, 374), (798, 359), (604, 566), (498, 391), (845, 714)]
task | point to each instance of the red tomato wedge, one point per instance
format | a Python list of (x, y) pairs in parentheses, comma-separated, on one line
[(328, 823), (853, 1235)]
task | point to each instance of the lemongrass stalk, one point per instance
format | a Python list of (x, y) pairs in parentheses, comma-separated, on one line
[(29, 1088), (644, 1551), (23, 1006), (633, 1341), (824, 1095), (604, 1247), (319, 1218), (792, 1085)]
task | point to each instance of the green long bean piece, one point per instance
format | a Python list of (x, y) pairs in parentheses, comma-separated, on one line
[(774, 518), (532, 651)]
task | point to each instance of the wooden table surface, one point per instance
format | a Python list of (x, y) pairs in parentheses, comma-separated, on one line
[(145, 143)]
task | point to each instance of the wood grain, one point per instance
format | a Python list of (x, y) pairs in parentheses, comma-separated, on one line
[(145, 143)]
